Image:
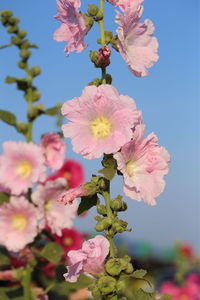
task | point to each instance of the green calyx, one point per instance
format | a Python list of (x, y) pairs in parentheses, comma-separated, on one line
[(106, 285), (25, 54), (93, 10), (101, 209), (35, 71), (22, 127), (113, 266), (116, 203)]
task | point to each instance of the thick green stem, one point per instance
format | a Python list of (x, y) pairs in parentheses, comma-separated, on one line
[(106, 196), (30, 105), (101, 25), (27, 282)]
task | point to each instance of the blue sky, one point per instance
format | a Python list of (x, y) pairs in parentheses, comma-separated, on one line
[(168, 98)]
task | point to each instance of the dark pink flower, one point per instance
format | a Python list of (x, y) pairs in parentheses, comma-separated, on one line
[(73, 28)]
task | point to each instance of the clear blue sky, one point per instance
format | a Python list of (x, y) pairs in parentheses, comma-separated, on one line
[(168, 98)]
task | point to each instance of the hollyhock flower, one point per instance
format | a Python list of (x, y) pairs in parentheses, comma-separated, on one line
[(57, 216), (190, 290), (69, 196), (100, 121), (21, 165), (123, 4), (73, 28), (70, 239), (53, 149), (143, 164), (19, 223), (136, 44), (89, 259), (72, 171)]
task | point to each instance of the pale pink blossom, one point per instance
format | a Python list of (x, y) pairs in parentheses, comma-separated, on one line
[(21, 165), (73, 28), (136, 44), (100, 120), (123, 4), (89, 259), (57, 216), (19, 223), (53, 149), (69, 196), (143, 164)]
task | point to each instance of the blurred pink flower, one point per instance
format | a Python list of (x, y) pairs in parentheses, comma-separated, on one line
[(136, 44), (57, 216), (123, 4), (72, 171), (100, 121), (89, 259), (69, 196), (19, 223), (53, 149), (143, 164), (190, 290), (21, 165), (73, 28)]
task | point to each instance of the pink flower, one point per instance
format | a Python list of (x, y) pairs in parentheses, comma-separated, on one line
[(57, 216), (69, 196), (100, 121), (143, 164), (72, 171), (73, 28), (21, 165), (136, 44), (190, 290), (89, 259), (123, 4), (53, 149), (19, 223)]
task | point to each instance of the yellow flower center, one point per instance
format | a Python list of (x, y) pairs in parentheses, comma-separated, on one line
[(101, 127), (131, 168), (67, 241), (24, 169), (19, 222), (184, 297), (67, 175), (48, 205)]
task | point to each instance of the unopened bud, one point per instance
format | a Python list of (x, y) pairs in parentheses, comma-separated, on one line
[(25, 45), (99, 16), (12, 29), (106, 285), (106, 222), (22, 34), (32, 113), (121, 286), (22, 64), (101, 209), (22, 127), (91, 188), (13, 21), (25, 53), (99, 226), (15, 40), (36, 95), (103, 184), (124, 206), (96, 293), (113, 267), (92, 10), (6, 13), (116, 203), (40, 107), (35, 71), (129, 269), (104, 56)]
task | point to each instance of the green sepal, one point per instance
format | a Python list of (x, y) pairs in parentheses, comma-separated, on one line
[(139, 274), (4, 198), (8, 117), (52, 252), (86, 203)]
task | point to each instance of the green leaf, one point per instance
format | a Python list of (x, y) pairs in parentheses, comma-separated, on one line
[(139, 274), (141, 295), (4, 260), (3, 296), (10, 79), (3, 198), (8, 117), (53, 111), (52, 252), (108, 173), (33, 46), (110, 166), (86, 203)]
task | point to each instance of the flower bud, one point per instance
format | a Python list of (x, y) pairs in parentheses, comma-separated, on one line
[(6, 13), (36, 95), (96, 293), (99, 226), (129, 269), (22, 64), (12, 29), (103, 184), (15, 40), (116, 203), (104, 56), (121, 286), (22, 127), (32, 113), (124, 206), (99, 16), (113, 267), (35, 71), (91, 188), (101, 209), (92, 10), (107, 222), (13, 21), (106, 285), (98, 218), (25, 45), (22, 34), (25, 53)]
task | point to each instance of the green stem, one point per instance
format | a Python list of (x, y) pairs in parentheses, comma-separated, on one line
[(27, 282), (101, 25), (106, 196), (30, 105)]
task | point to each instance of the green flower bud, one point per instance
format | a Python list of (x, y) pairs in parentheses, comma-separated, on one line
[(99, 16), (12, 29), (35, 71), (89, 21), (22, 64), (25, 44), (15, 40), (106, 285), (124, 263), (91, 188), (114, 42), (40, 107), (96, 293), (98, 218), (108, 79), (113, 267), (32, 114), (116, 203), (121, 286), (108, 37), (36, 95), (6, 13), (22, 34), (99, 226), (129, 269), (101, 209), (124, 206), (127, 258), (112, 298), (13, 21), (103, 184), (25, 53), (107, 222), (92, 10), (22, 127)]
